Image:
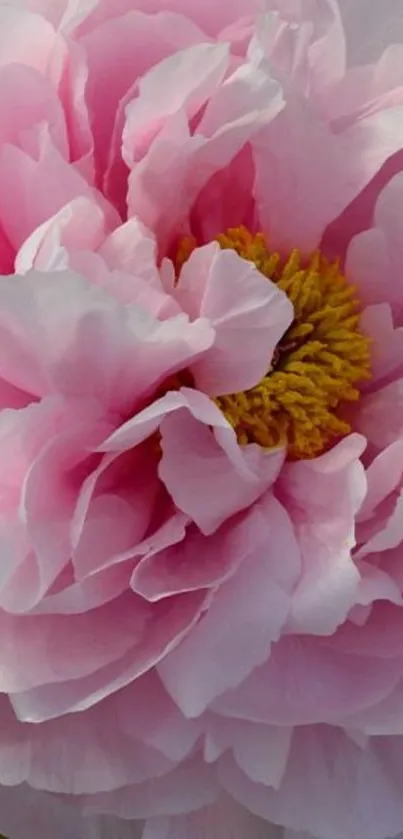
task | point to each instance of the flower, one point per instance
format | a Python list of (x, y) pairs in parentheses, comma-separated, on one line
[(201, 362)]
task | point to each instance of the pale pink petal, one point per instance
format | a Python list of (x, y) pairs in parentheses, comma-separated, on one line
[(251, 98), (223, 819), (383, 25), (170, 32), (211, 478), (307, 681), (119, 52), (33, 653), (261, 751), (29, 753), (48, 498), (249, 314), (304, 43), (157, 722), (390, 532), (382, 638), (39, 189), (382, 718), (173, 570), (23, 434), (369, 87), (123, 262), (133, 250), (183, 81), (226, 201), (210, 17), (25, 38), (140, 643), (374, 256), (240, 476), (245, 616), (53, 332), (375, 584), (116, 512), (78, 225), (324, 521), (386, 344), (188, 787), (299, 149), (367, 802), (27, 811), (71, 82), (82, 596), (103, 827), (384, 476), (146, 496), (41, 105)]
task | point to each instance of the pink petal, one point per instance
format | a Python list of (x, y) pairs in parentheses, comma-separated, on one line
[(383, 24), (78, 225), (261, 751), (390, 535), (250, 98), (40, 105), (132, 249), (170, 32), (174, 570), (101, 668), (245, 615), (386, 345), (82, 596), (23, 434), (223, 819), (210, 17), (183, 81), (188, 787), (374, 256), (118, 53), (376, 584), (366, 802), (298, 150), (248, 312), (25, 38), (40, 188), (24, 810), (158, 723), (182, 417), (28, 753), (209, 477), (324, 520), (304, 43), (58, 348), (41, 649), (116, 504), (306, 681), (48, 498), (384, 476), (382, 638)]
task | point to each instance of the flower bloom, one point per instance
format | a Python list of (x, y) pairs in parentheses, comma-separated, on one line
[(201, 362)]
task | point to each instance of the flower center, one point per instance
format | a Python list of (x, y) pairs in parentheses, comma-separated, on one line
[(319, 363)]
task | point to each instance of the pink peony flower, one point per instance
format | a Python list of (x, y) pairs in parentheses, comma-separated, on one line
[(201, 374)]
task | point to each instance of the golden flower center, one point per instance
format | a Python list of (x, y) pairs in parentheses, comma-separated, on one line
[(319, 364)]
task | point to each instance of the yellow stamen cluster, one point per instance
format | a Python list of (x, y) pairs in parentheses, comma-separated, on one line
[(317, 366)]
